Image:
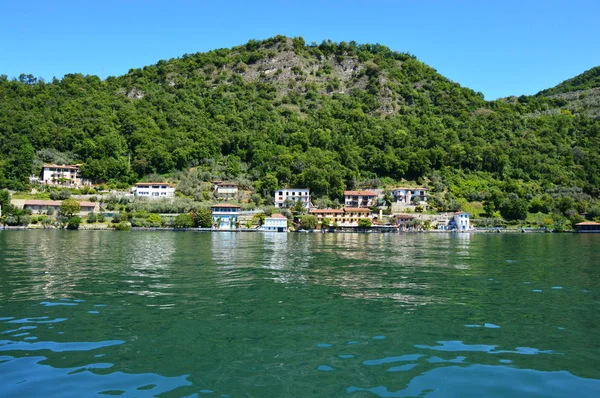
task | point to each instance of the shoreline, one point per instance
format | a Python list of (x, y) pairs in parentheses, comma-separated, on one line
[(357, 231)]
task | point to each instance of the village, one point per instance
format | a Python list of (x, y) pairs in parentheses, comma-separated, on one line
[(292, 210), (399, 209)]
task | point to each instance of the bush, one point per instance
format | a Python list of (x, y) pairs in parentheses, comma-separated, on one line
[(183, 221), (101, 217), (308, 222), (122, 226), (364, 223), (138, 222), (154, 220), (91, 218), (61, 194), (74, 222), (203, 217), (93, 199)]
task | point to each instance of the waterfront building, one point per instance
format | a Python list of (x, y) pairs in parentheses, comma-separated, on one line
[(402, 220), (226, 190), (460, 221), (153, 190), (42, 206), (67, 175), (588, 227), (225, 216), (346, 217), (408, 196), (287, 197), (275, 223), (359, 198)]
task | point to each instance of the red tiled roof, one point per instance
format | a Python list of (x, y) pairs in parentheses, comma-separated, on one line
[(357, 209), (64, 166), (226, 205), (54, 203), (323, 211), (277, 215), (405, 216), (587, 223), (360, 193), (412, 188), (141, 184)]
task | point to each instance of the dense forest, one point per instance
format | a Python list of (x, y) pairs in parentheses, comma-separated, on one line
[(281, 112)]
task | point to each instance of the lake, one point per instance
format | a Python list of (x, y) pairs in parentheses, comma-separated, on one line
[(141, 314)]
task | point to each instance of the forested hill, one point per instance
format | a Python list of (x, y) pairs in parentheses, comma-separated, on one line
[(281, 112)]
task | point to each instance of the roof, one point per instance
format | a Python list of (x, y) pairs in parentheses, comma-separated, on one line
[(228, 205), (411, 188), (277, 215), (360, 193), (587, 223), (54, 203), (406, 216), (141, 184), (293, 189), (233, 184), (323, 211), (357, 209), (64, 166)]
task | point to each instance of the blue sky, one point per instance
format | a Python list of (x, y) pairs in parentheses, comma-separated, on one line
[(497, 47)]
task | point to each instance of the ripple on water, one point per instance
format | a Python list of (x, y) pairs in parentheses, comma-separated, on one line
[(8, 345), (458, 381), (82, 379)]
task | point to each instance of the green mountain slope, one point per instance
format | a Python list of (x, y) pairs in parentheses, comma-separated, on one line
[(280, 112), (585, 81)]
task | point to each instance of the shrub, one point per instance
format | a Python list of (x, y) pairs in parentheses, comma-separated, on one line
[(364, 223), (101, 217), (154, 220), (183, 221), (203, 217), (122, 226), (91, 218), (93, 199), (74, 222), (308, 222), (138, 222), (61, 194)]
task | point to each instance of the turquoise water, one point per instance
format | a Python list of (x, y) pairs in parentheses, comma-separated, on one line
[(145, 314)]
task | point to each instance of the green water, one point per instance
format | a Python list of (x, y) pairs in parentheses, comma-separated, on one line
[(143, 314)]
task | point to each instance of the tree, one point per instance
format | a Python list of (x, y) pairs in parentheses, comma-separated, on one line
[(299, 207), (91, 218), (325, 223), (203, 217), (308, 222), (259, 218), (154, 220), (69, 208), (184, 221), (74, 222), (514, 208), (364, 223)]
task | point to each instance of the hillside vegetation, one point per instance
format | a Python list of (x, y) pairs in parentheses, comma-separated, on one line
[(279, 112)]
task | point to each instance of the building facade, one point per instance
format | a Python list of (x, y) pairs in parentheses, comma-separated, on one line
[(460, 221), (68, 175), (226, 190), (42, 206), (346, 217), (275, 223), (287, 197), (225, 216), (409, 196), (359, 198), (153, 190)]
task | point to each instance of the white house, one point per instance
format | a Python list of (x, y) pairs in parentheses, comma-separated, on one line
[(287, 195), (359, 198), (225, 216), (275, 223), (408, 196), (153, 190), (226, 190), (55, 174), (458, 221)]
